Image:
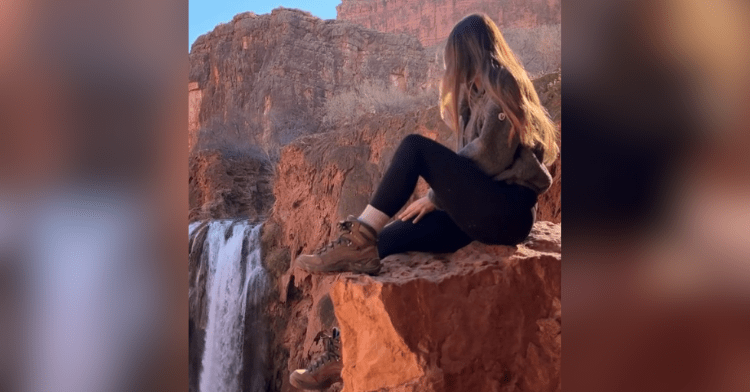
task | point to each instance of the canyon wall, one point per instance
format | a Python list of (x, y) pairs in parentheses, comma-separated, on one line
[(431, 21), (260, 81), (227, 184)]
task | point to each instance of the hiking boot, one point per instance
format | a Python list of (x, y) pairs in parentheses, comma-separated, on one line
[(355, 250), (325, 370)]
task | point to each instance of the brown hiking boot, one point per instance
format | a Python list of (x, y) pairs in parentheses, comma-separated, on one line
[(355, 250), (325, 370)]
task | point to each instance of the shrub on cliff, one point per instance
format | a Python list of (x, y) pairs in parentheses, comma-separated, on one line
[(538, 47), (374, 97)]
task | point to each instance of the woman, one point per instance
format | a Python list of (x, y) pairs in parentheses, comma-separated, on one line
[(486, 192)]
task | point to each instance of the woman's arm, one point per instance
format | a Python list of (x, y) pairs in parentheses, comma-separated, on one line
[(491, 150), (464, 112), (431, 197)]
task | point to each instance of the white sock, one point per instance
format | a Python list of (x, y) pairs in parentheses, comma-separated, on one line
[(374, 218)]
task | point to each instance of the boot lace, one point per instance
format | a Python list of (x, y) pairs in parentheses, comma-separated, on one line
[(332, 353), (345, 228)]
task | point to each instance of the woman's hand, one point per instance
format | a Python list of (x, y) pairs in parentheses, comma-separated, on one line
[(419, 208)]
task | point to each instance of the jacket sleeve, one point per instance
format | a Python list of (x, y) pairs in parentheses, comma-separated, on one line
[(491, 150), (433, 199)]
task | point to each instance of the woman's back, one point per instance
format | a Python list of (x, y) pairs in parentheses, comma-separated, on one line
[(484, 131)]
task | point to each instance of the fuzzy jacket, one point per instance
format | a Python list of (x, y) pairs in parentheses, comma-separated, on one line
[(483, 138)]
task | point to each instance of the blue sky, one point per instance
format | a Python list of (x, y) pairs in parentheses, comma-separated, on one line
[(206, 14)]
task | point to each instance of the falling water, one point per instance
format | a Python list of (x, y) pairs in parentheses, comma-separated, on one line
[(236, 281), (192, 227)]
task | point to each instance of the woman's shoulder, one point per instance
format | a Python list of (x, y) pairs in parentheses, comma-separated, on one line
[(486, 108), (490, 107), (493, 115)]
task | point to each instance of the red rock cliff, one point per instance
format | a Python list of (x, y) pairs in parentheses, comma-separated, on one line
[(431, 21), (260, 81), (225, 185)]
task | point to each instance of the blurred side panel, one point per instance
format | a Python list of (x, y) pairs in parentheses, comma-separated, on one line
[(656, 283), (93, 195)]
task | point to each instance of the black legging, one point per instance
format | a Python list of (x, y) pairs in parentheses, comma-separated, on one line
[(474, 206)]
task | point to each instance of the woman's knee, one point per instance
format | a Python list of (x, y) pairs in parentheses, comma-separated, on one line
[(414, 142)]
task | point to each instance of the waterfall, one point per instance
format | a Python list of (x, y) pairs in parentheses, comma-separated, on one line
[(235, 285), (192, 227)]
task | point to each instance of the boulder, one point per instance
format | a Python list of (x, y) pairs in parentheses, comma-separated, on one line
[(485, 318)]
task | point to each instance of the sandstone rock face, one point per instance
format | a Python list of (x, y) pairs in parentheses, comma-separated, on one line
[(263, 80), (486, 318), (550, 203), (229, 185), (431, 21)]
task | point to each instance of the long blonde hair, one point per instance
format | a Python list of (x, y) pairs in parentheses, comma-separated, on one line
[(475, 47)]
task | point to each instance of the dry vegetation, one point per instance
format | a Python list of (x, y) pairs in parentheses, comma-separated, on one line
[(374, 97), (538, 47)]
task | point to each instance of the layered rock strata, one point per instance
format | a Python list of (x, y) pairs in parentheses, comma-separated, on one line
[(432, 21)]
